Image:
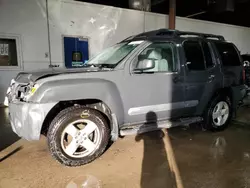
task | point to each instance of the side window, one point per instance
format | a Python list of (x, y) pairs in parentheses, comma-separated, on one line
[(162, 54), (228, 54), (207, 55), (194, 55)]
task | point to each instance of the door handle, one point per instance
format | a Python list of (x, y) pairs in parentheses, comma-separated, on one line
[(211, 77), (177, 79)]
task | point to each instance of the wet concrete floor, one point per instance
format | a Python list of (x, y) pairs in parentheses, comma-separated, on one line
[(189, 158)]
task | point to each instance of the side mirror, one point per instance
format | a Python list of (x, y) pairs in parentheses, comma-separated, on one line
[(145, 64)]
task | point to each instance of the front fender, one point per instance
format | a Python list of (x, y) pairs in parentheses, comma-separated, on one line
[(77, 89)]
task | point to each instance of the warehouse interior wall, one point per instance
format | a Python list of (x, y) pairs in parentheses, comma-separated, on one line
[(101, 25), (24, 20), (238, 35)]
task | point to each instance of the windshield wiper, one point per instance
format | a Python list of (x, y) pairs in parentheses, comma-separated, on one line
[(90, 65), (109, 66), (100, 66)]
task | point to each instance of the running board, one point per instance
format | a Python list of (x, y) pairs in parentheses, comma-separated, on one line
[(142, 128)]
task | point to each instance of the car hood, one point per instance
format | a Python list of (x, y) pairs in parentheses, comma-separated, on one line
[(26, 77)]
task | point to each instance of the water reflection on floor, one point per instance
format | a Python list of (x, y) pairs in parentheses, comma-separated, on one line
[(214, 160)]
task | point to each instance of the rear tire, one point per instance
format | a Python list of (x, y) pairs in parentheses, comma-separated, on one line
[(78, 135), (218, 114)]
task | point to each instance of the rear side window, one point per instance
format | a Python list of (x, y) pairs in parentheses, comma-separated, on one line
[(228, 54), (194, 55)]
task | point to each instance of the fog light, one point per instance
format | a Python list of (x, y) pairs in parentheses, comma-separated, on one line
[(6, 101)]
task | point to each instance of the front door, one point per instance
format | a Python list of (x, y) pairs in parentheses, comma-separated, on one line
[(159, 90)]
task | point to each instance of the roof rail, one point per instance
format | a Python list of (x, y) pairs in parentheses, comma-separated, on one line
[(202, 35), (175, 33)]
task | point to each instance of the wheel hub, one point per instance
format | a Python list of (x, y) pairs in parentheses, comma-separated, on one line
[(83, 141), (81, 137), (220, 113)]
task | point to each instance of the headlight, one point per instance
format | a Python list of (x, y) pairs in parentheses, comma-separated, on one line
[(30, 91)]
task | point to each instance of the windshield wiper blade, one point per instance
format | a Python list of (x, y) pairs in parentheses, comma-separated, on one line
[(105, 65), (90, 65), (100, 66)]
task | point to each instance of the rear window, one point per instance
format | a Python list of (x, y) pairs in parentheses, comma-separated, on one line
[(228, 54), (194, 55)]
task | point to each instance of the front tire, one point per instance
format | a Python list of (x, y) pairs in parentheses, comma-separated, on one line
[(78, 135), (218, 114)]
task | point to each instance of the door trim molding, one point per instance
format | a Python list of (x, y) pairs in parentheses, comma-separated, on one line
[(161, 107)]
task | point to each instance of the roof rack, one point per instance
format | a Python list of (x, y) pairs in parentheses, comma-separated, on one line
[(175, 33), (202, 35)]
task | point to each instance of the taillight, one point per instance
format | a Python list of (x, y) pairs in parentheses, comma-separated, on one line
[(243, 75)]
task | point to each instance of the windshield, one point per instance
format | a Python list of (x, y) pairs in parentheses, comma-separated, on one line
[(114, 55)]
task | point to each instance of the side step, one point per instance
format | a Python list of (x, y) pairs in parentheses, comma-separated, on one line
[(142, 128)]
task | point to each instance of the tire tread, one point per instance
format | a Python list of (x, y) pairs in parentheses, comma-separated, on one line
[(55, 151)]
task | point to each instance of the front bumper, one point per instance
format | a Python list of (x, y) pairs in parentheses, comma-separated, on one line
[(27, 118)]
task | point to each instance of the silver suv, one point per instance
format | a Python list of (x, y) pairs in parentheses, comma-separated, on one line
[(159, 79)]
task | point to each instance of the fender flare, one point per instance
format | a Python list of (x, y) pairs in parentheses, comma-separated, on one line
[(78, 89)]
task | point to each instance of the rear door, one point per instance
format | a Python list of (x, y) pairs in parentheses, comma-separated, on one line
[(202, 75)]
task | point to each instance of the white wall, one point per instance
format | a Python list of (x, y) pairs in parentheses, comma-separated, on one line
[(240, 36), (155, 21), (23, 18), (103, 26), (110, 25)]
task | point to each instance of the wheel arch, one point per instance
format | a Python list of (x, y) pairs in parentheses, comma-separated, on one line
[(222, 94), (96, 104), (227, 91)]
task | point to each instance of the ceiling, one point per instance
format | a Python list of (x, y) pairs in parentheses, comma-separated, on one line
[(197, 9)]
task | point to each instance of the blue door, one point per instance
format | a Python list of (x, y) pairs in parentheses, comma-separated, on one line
[(76, 51)]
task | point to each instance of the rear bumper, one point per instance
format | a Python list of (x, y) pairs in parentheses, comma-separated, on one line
[(243, 91), (27, 118)]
